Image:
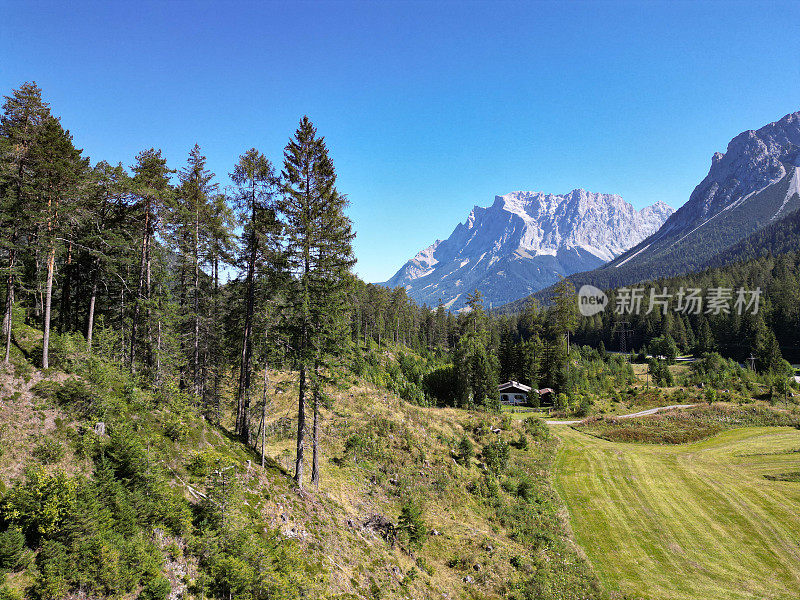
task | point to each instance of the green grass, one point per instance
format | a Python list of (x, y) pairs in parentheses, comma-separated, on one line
[(696, 521)]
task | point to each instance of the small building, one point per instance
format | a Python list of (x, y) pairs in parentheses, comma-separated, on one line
[(546, 397), (513, 393)]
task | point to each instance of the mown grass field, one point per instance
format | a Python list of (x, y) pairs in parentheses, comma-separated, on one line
[(695, 521)]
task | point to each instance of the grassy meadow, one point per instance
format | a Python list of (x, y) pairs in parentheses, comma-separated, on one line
[(707, 520)]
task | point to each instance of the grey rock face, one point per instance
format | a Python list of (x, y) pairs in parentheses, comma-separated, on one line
[(753, 183), (522, 243)]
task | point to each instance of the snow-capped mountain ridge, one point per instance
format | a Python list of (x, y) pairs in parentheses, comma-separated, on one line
[(523, 242)]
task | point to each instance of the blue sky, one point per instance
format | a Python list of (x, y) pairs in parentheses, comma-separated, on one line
[(429, 108)]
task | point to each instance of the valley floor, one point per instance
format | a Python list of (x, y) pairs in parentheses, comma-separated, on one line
[(695, 521)]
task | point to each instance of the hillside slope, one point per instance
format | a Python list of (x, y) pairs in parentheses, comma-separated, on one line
[(213, 523)]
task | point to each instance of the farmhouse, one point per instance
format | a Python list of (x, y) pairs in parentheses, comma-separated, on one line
[(513, 393)]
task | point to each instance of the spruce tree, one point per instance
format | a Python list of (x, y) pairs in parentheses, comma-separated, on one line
[(152, 191), (318, 243), (192, 214)]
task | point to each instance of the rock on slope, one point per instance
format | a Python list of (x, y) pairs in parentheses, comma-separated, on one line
[(523, 243)]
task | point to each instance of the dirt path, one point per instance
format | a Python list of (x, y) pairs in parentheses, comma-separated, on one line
[(641, 413)]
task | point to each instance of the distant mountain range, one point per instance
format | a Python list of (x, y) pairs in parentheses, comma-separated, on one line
[(746, 205), (524, 242)]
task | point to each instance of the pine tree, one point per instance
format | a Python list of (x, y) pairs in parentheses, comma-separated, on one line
[(256, 187), (24, 112), (105, 234), (59, 171)]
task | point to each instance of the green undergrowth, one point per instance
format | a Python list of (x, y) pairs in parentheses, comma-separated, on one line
[(112, 489), (680, 426), (110, 502)]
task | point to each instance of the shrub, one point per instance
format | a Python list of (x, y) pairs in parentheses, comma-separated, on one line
[(203, 462), (6, 593), (40, 504), (156, 589), (425, 566), (522, 441), (53, 566), (495, 454), (536, 428), (48, 451), (526, 490), (465, 450), (12, 549), (411, 524), (46, 389), (75, 394), (175, 428)]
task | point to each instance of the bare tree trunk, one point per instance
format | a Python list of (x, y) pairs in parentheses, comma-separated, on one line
[(264, 412), (158, 353), (149, 312), (51, 263), (66, 293), (8, 319), (301, 429), (92, 301), (140, 286), (315, 432), (196, 349), (122, 318), (243, 392), (215, 354)]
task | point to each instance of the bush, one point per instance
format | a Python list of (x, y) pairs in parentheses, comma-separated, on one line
[(40, 504), (495, 455), (12, 549), (53, 566), (411, 524), (536, 428), (526, 490), (48, 451), (203, 462), (175, 428), (465, 450), (75, 394), (156, 589), (6, 593), (46, 389)]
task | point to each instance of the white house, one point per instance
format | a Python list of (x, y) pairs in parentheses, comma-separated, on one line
[(514, 393)]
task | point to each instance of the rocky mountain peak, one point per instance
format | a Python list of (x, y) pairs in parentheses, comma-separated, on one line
[(523, 242)]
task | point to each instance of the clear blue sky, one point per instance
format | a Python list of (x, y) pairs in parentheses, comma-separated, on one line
[(428, 108)]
